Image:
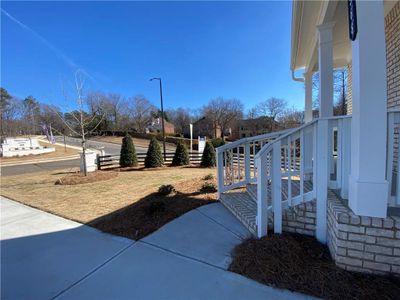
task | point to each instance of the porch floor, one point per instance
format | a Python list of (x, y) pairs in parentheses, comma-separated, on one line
[(242, 202)]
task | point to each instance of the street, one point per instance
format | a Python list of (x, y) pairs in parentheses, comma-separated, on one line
[(109, 148), (38, 167)]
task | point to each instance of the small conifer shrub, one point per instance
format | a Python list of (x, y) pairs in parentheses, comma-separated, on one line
[(208, 158), (127, 156), (181, 157), (154, 156)]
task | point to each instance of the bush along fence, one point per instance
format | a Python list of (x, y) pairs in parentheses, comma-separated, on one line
[(112, 161)]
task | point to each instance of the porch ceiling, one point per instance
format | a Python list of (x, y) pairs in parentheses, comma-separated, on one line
[(306, 16)]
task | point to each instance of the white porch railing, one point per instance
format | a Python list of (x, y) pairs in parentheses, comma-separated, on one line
[(300, 166), (235, 161), (392, 168)]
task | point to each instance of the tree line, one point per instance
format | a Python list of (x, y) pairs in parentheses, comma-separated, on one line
[(106, 113), (110, 112)]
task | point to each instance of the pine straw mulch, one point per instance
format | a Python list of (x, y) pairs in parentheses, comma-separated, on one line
[(302, 264), (80, 178), (155, 210)]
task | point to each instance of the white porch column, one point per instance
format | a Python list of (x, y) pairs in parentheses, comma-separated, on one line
[(325, 60), (368, 188), (308, 115)]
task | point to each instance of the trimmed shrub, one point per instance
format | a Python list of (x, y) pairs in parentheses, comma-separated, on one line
[(127, 156), (181, 157), (154, 157), (208, 158), (208, 187), (166, 189), (217, 142), (208, 177)]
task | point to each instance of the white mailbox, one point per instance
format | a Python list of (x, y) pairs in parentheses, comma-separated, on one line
[(91, 163)]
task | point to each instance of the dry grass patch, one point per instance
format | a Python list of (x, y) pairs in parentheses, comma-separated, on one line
[(87, 202), (80, 178), (300, 263), (138, 142)]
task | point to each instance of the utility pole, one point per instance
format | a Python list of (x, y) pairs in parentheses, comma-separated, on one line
[(162, 116)]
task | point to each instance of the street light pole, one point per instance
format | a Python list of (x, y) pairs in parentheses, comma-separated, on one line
[(162, 116)]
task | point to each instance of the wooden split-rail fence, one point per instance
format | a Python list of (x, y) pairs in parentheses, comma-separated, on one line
[(112, 161)]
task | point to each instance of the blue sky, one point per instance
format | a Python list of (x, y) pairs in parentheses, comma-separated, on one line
[(201, 50)]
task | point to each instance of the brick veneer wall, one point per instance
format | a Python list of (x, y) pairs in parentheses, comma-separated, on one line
[(364, 244), (300, 218), (392, 31)]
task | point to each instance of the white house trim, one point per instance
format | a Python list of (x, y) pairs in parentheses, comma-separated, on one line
[(325, 60), (368, 188)]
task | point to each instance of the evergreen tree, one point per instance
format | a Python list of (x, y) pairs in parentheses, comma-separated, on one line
[(127, 156), (154, 157), (181, 157), (208, 158)]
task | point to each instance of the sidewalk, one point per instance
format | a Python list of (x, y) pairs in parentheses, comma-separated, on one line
[(48, 257)]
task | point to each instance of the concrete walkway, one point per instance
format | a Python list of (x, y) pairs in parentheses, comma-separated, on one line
[(47, 257)]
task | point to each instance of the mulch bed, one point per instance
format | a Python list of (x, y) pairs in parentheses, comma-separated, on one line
[(80, 178), (302, 264), (155, 210)]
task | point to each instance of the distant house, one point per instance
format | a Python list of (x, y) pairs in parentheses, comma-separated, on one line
[(203, 127), (156, 126), (253, 127)]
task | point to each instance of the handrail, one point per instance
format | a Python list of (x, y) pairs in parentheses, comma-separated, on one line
[(296, 129), (296, 162), (251, 139)]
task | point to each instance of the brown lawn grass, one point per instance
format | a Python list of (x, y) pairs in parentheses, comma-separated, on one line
[(138, 142), (80, 178), (60, 152), (87, 202)]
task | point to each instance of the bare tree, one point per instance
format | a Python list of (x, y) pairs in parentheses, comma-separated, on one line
[(12, 114), (107, 105), (4, 106), (340, 77), (32, 113), (49, 115), (256, 123), (114, 102), (291, 118), (180, 117), (273, 108), (80, 122), (223, 113), (340, 90), (252, 113), (141, 112)]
